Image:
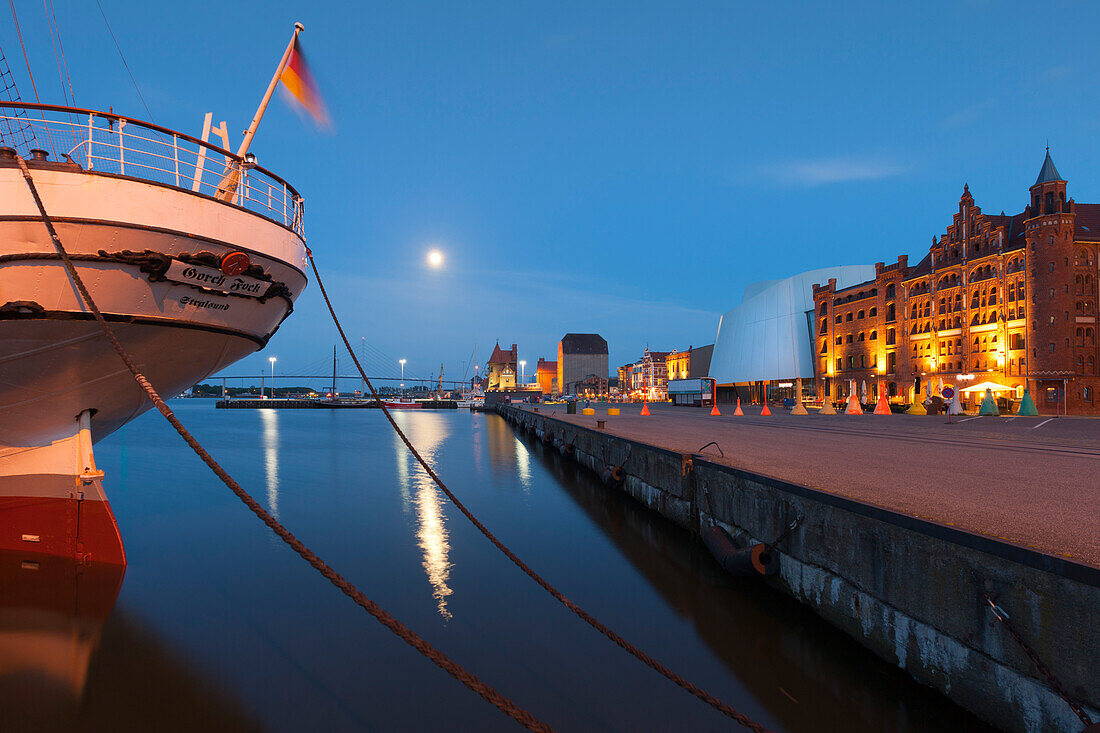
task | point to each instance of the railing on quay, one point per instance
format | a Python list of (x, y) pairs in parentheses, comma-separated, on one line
[(104, 142)]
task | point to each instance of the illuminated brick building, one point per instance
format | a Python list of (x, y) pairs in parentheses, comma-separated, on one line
[(695, 362), (546, 374), (1010, 299), (501, 369), (648, 378)]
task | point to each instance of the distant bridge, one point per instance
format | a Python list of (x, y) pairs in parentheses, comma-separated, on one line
[(327, 379)]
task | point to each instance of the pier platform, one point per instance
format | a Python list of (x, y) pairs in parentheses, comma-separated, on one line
[(943, 548), (1030, 481)]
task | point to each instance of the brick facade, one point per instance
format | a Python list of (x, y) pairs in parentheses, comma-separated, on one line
[(1010, 299), (546, 374)]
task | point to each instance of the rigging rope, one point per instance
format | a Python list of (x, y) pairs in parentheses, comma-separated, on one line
[(62, 67), (58, 52), (123, 57), (20, 133), (591, 620), (27, 61), (470, 680), (19, 33)]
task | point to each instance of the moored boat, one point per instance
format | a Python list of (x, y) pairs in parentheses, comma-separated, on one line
[(194, 255), (402, 404)]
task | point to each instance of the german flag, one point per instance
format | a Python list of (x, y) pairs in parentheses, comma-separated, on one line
[(299, 82)]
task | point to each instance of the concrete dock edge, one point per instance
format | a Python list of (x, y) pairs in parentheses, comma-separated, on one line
[(911, 590)]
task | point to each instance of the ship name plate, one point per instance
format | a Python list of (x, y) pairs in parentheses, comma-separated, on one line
[(214, 279)]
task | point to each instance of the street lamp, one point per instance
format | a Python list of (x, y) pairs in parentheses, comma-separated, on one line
[(402, 363), (522, 364), (272, 360)]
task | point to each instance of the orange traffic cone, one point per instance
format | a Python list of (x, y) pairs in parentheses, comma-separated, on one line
[(645, 408), (883, 407), (854, 407), (765, 411), (738, 410), (714, 410)]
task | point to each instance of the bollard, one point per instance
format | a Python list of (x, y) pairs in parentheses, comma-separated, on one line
[(599, 424), (611, 475), (747, 562)]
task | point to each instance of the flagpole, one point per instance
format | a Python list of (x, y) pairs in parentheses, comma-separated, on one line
[(251, 132)]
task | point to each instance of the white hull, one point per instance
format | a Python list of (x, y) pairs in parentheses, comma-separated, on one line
[(54, 361), (52, 370), (151, 257)]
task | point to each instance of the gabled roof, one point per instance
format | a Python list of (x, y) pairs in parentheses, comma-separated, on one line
[(1087, 222), (1048, 171), (1015, 231), (500, 356), (923, 267), (583, 343)]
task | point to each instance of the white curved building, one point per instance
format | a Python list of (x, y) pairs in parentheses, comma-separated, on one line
[(769, 336)]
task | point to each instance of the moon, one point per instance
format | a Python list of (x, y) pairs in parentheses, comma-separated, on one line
[(435, 258)]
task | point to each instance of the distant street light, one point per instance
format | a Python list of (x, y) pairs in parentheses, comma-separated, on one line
[(272, 360), (522, 364), (402, 362)]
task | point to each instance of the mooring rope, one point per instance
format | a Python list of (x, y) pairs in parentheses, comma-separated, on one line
[(661, 669), (521, 716), (1004, 619)]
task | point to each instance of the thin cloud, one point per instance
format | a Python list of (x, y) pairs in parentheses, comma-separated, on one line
[(442, 322), (567, 38), (969, 114), (844, 169)]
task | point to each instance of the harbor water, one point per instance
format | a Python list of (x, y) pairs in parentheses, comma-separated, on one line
[(220, 626)]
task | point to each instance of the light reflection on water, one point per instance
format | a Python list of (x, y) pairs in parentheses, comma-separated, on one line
[(427, 431), (219, 628), (523, 465), (270, 420)]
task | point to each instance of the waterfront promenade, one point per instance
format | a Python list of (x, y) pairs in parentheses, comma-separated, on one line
[(1029, 481)]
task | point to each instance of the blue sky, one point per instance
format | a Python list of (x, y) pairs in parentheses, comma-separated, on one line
[(625, 168)]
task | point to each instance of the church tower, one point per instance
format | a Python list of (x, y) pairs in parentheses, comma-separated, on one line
[(1050, 230)]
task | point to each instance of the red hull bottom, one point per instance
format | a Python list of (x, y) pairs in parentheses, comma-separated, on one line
[(60, 517)]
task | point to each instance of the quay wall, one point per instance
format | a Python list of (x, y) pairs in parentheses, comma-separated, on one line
[(309, 404), (248, 404), (913, 591)]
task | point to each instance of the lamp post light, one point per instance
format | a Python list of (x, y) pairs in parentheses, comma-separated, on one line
[(522, 377), (402, 363), (272, 360)]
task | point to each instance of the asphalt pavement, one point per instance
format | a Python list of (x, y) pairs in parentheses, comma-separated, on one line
[(1033, 481)]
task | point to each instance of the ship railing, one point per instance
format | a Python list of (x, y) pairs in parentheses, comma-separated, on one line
[(104, 142)]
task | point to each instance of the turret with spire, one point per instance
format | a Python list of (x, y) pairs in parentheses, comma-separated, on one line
[(1050, 236), (1048, 194)]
